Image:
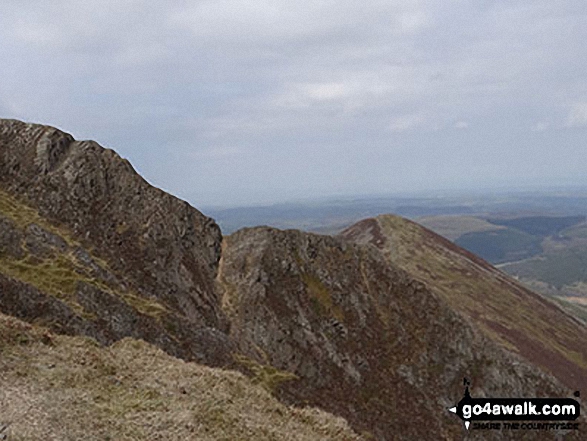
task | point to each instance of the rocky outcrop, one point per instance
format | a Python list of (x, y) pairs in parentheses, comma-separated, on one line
[(160, 245), (364, 338), (89, 247)]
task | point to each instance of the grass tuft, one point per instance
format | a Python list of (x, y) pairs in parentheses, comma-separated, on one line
[(268, 377), (321, 298)]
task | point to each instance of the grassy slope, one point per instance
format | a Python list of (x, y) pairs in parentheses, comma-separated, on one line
[(520, 319), (575, 305), (560, 270), (576, 231), (67, 388)]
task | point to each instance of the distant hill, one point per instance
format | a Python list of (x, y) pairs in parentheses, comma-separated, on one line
[(501, 240), (540, 226), (455, 226), (328, 216), (499, 246), (503, 309), (332, 215)]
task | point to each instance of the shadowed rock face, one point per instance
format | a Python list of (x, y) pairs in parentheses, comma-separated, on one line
[(89, 247), (366, 340), (164, 247)]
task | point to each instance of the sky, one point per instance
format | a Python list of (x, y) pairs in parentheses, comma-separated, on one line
[(243, 102)]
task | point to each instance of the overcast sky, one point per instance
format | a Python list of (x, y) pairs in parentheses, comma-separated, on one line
[(233, 102)]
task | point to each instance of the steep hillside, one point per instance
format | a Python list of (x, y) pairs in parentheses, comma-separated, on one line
[(503, 309), (163, 246), (365, 339), (69, 388)]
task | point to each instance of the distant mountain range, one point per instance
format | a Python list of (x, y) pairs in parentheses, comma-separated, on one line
[(378, 325), (331, 216)]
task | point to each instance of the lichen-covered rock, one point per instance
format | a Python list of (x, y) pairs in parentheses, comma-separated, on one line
[(10, 238)]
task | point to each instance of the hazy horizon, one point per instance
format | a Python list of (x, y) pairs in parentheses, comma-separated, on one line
[(234, 103), (433, 193)]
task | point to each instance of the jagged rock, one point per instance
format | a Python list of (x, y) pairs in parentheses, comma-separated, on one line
[(91, 248), (10, 238)]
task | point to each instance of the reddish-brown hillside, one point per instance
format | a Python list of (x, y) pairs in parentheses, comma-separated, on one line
[(518, 319)]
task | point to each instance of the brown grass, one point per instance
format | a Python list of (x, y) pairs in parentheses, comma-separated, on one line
[(321, 297), (23, 215), (265, 375), (68, 388)]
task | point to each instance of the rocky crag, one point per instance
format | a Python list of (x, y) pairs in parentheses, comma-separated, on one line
[(88, 247)]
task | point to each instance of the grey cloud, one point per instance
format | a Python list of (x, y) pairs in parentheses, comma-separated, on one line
[(237, 102)]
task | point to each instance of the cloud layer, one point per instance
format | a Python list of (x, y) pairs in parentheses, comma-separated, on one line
[(236, 102)]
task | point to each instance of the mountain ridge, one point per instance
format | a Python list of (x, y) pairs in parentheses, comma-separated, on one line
[(491, 296), (88, 247)]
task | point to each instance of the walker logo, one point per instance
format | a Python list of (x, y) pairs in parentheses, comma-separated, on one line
[(561, 410)]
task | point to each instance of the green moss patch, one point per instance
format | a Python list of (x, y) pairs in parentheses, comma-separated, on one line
[(60, 273)]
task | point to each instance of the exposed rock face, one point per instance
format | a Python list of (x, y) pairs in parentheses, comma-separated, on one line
[(89, 247), (164, 247), (103, 253), (366, 340)]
